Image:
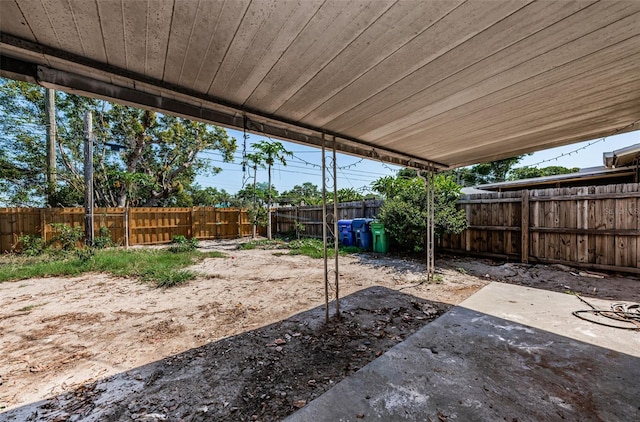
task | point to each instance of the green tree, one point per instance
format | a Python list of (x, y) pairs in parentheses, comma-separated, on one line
[(349, 194), (270, 152), (158, 160), (530, 172), (479, 174), (307, 193), (405, 203), (197, 196)]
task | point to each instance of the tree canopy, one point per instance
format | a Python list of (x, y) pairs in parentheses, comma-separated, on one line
[(503, 170), (530, 172), (140, 158)]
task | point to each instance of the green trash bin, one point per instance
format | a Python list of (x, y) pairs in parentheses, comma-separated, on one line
[(380, 239)]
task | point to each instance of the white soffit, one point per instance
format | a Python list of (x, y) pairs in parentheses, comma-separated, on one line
[(447, 82)]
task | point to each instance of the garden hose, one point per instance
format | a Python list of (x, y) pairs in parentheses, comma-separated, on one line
[(623, 312)]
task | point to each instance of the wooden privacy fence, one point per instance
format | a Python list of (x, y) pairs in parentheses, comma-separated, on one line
[(593, 227), (285, 219), (138, 226)]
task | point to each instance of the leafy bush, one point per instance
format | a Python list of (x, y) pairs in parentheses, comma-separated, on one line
[(65, 236), (31, 245), (404, 212), (103, 240), (257, 215), (182, 244)]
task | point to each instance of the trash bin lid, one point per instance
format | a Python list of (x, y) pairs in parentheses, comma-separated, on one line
[(377, 225), (358, 223)]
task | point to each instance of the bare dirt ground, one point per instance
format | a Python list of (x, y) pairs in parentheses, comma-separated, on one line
[(245, 341)]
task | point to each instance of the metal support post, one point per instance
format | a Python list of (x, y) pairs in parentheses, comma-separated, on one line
[(324, 233), (335, 227), (429, 244), (431, 225), (330, 224)]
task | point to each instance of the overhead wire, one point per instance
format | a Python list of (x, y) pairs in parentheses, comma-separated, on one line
[(603, 139)]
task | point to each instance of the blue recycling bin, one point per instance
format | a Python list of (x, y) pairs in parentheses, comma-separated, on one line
[(345, 232), (362, 232)]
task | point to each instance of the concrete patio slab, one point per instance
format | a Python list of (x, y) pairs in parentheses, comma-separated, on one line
[(507, 353)]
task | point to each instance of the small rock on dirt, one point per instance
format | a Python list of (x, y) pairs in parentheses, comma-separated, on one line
[(299, 403)]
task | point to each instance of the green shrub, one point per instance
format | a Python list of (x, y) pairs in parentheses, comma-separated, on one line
[(404, 212), (65, 236), (103, 240), (182, 244), (31, 245)]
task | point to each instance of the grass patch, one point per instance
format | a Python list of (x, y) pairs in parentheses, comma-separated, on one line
[(38, 267), (162, 267), (437, 279), (30, 308), (314, 248), (261, 244)]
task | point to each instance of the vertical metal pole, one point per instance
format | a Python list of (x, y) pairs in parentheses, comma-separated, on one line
[(335, 226), (324, 232), (88, 179), (431, 225)]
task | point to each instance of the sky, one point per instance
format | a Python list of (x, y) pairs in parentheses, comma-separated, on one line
[(357, 173)]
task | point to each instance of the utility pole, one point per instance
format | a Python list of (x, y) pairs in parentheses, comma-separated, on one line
[(88, 179), (52, 132), (255, 179)]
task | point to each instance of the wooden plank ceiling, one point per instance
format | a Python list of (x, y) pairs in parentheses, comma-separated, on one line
[(451, 82)]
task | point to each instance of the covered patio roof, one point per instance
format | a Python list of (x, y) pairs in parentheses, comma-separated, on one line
[(441, 83)]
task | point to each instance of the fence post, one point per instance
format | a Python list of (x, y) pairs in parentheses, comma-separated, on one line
[(524, 231), (191, 228), (43, 225), (126, 227), (240, 223)]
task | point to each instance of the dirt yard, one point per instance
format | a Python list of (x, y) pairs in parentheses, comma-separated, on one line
[(245, 341)]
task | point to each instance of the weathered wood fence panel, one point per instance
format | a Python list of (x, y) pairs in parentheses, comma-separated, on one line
[(285, 219), (596, 226), (17, 221), (143, 226)]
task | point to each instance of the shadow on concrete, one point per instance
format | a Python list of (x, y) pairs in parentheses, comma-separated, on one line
[(250, 376), (475, 365)]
